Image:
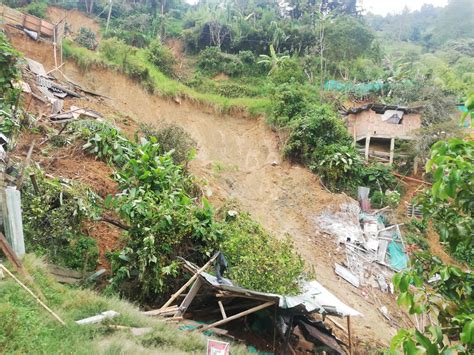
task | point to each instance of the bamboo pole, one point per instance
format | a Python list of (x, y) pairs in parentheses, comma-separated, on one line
[(32, 294), (349, 334), (190, 281), (238, 315)]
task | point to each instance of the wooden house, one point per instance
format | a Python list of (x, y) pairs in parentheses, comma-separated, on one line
[(382, 123)]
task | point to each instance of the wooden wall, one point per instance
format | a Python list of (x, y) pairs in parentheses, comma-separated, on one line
[(370, 123)]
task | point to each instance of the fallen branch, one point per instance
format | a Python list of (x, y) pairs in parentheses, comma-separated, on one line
[(115, 223)]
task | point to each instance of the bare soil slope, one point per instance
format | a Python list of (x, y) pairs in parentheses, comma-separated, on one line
[(236, 156)]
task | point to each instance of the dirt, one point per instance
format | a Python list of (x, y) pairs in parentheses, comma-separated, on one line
[(74, 20), (284, 198)]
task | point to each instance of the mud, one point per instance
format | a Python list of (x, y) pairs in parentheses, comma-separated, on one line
[(239, 159)]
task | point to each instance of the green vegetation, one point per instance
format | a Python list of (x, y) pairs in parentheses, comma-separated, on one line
[(117, 55), (167, 218), (53, 222), (449, 203), (28, 328)]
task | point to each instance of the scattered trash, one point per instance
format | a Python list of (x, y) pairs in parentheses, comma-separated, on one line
[(375, 248), (32, 34), (98, 318), (384, 312)]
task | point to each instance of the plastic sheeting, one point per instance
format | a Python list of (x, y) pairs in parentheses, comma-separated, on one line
[(398, 258)]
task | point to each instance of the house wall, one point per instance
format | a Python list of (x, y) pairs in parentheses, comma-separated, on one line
[(368, 122)]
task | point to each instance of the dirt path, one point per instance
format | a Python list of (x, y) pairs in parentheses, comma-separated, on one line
[(235, 157)]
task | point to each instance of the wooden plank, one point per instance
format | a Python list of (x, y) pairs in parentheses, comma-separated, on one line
[(189, 297), (160, 312), (9, 253), (221, 306), (238, 315), (392, 150), (367, 145), (349, 334), (190, 281)]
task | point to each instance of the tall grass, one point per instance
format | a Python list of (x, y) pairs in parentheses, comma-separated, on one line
[(134, 63), (26, 328)]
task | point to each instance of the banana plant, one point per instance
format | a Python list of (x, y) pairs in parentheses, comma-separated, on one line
[(274, 60)]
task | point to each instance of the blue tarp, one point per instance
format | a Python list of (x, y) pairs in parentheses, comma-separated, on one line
[(398, 258)]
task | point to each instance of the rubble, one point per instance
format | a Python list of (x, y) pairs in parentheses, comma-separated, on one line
[(374, 247)]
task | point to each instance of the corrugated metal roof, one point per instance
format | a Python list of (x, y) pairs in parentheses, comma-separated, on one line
[(314, 297), (381, 108)]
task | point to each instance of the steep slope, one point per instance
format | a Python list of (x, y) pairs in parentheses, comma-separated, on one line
[(237, 157)]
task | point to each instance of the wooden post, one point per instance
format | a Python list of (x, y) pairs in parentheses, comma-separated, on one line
[(190, 281), (108, 17), (392, 150), (367, 145), (415, 166), (349, 334), (238, 315), (221, 306), (354, 135), (189, 298)]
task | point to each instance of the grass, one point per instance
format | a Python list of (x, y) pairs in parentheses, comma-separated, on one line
[(158, 82), (25, 327)]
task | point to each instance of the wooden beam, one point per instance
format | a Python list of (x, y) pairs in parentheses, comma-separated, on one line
[(392, 150), (189, 298), (238, 315), (190, 281), (367, 145), (221, 306), (349, 334), (9, 253)]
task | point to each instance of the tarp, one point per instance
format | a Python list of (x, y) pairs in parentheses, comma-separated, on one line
[(356, 88), (314, 297)]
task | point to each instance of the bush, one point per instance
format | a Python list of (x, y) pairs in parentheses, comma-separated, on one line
[(161, 56), (212, 61), (232, 90), (313, 131), (132, 38), (339, 166), (175, 140), (37, 8), (257, 260), (289, 101), (86, 38), (288, 71), (53, 222)]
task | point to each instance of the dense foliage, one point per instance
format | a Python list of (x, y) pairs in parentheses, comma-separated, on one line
[(9, 72), (53, 222), (168, 218)]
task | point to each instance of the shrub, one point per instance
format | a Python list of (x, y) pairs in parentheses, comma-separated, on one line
[(313, 131), (86, 38), (161, 56), (288, 71), (232, 90), (37, 8), (9, 72), (339, 166), (257, 260), (175, 140), (289, 101), (212, 61), (132, 38), (53, 222)]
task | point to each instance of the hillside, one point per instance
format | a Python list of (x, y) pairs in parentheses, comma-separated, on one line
[(202, 148)]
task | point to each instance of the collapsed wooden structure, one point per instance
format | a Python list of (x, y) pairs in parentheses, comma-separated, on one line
[(218, 302)]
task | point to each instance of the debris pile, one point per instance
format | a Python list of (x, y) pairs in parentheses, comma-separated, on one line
[(45, 88), (291, 322), (374, 246)]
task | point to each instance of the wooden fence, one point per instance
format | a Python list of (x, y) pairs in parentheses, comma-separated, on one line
[(32, 23)]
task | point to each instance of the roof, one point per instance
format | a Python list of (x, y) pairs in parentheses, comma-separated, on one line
[(381, 108), (314, 297)]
